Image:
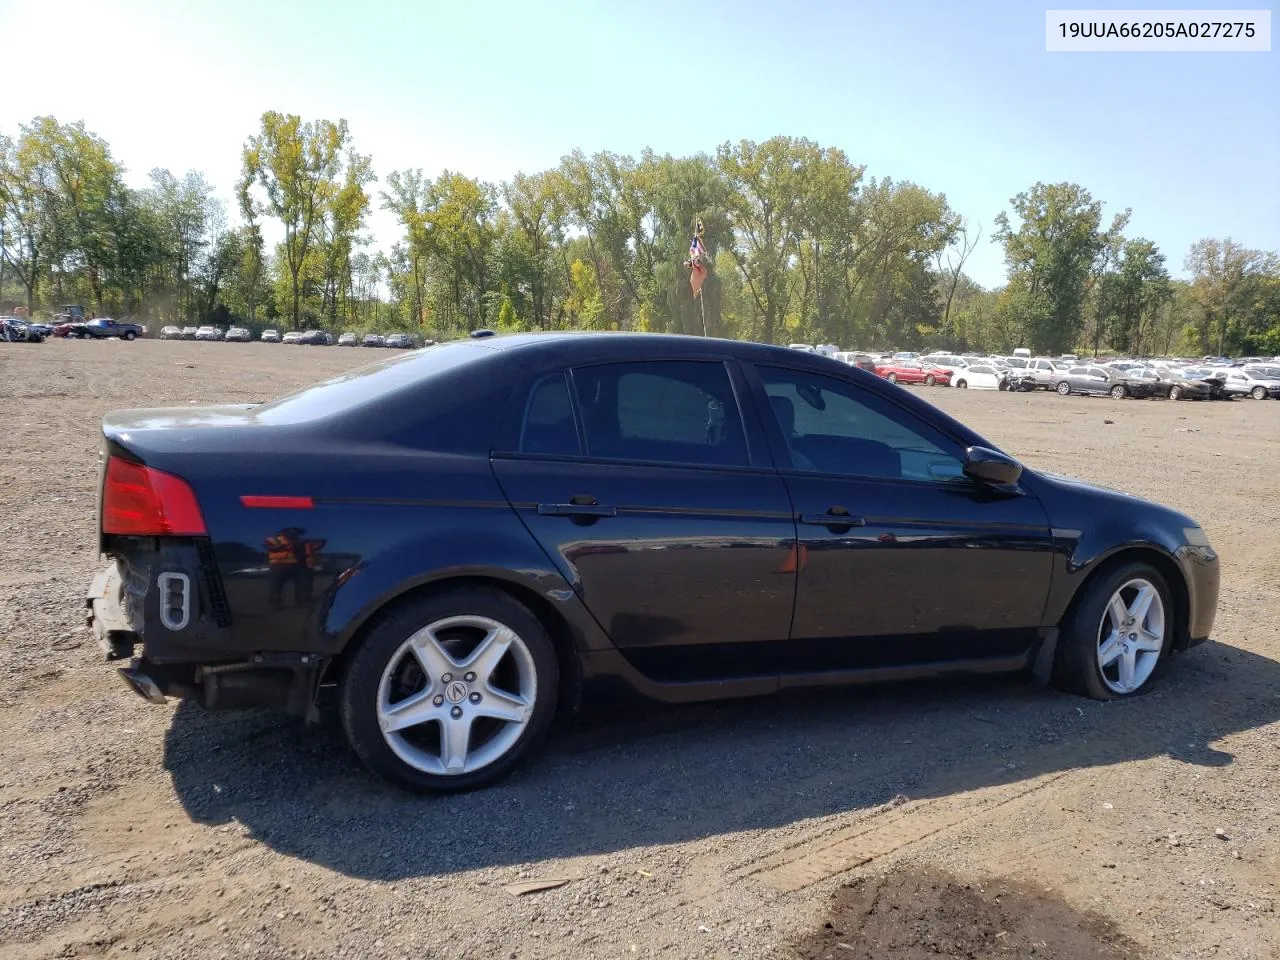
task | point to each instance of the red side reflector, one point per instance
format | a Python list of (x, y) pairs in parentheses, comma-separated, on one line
[(141, 501), (279, 503)]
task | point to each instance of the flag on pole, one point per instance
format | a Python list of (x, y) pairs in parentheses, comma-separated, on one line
[(697, 262)]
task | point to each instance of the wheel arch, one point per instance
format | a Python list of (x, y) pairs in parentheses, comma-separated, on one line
[(565, 639), (1154, 557)]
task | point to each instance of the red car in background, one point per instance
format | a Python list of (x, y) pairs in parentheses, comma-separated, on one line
[(912, 371)]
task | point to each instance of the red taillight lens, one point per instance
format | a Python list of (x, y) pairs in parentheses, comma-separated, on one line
[(141, 501)]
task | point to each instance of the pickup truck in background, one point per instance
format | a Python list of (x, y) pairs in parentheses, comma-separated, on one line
[(1040, 373), (101, 329)]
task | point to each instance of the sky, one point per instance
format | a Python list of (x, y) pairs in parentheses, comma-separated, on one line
[(959, 97)]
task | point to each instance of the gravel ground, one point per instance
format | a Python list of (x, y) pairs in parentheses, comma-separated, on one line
[(721, 830)]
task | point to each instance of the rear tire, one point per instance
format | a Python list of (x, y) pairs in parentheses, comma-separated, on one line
[(401, 665), (1175, 392), (1092, 634), (1258, 393), (892, 377), (1064, 389), (963, 385)]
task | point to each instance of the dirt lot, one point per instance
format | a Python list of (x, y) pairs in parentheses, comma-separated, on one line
[(972, 819)]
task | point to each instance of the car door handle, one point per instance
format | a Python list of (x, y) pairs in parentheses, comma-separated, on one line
[(582, 507), (833, 518)]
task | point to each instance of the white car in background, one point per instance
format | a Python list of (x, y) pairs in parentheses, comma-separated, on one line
[(1258, 382), (803, 347), (979, 376)]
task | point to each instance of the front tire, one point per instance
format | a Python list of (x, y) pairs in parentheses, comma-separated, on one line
[(1258, 393), (930, 380), (451, 692), (1064, 389), (1118, 392), (1175, 392), (964, 385), (892, 378), (1117, 635)]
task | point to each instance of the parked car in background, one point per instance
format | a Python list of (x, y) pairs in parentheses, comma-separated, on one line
[(464, 624), (1197, 383), (209, 333), (1083, 380), (18, 330), (856, 358), (912, 371), (804, 347), (372, 340), (315, 338), (292, 336), (1138, 383), (38, 327), (238, 335), (952, 363), (348, 339), (1040, 373), (270, 336), (1257, 382), (103, 328), (399, 341), (170, 332), (189, 333), (980, 376)]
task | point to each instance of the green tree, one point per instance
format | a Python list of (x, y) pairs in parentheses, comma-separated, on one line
[(1050, 255), (1234, 289), (297, 168)]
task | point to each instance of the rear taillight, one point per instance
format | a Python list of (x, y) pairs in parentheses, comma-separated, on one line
[(140, 501)]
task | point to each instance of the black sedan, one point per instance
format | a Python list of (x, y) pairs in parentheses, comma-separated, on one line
[(399, 341), (465, 538)]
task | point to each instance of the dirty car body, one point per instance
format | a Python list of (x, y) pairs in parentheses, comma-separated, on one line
[(519, 519)]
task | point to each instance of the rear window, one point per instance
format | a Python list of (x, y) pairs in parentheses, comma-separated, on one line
[(346, 391)]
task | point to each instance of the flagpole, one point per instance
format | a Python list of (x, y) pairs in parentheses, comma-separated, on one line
[(703, 300)]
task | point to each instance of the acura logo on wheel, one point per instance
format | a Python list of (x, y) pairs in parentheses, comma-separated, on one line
[(456, 692)]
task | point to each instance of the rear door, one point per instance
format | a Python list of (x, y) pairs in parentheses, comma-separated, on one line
[(903, 560), (657, 499)]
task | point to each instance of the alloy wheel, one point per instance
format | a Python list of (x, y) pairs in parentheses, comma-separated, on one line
[(456, 696), (1259, 393), (1118, 392), (1064, 388), (1131, 636)]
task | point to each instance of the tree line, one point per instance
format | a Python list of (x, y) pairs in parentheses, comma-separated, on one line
[(803, 246)]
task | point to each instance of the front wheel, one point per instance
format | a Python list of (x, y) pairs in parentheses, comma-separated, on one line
[(1118, 392), (1064, 388), (1175, 392), (1258, 393), (965, 386), (451, 692), (892, 377), (1117, 634), (930, 380), (129, 335)]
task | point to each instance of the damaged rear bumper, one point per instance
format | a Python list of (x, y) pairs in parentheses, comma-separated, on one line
[(157, 616)]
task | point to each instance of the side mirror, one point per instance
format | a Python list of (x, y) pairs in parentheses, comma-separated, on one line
[(990, 466)]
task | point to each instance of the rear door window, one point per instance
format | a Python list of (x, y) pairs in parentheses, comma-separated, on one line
[(663, 411)]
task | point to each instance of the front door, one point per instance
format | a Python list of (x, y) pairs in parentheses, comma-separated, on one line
[(661, 508), (904, 560)]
